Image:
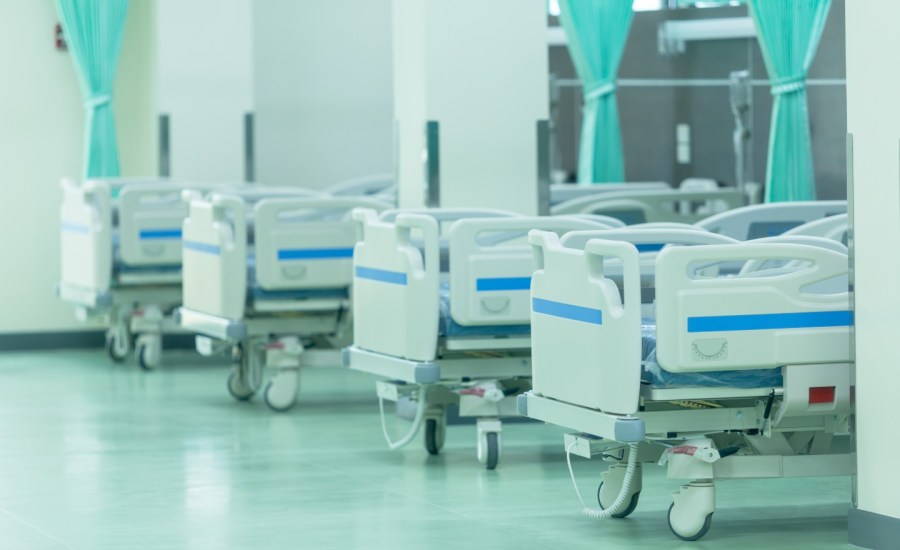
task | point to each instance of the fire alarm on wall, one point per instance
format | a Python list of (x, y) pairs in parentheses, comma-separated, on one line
[(60, 39)]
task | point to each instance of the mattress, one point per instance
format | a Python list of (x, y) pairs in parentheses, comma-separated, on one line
[(652, 373), (449, 328)]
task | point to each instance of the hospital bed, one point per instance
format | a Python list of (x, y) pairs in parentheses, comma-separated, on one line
[(268, 278), (653, 205), (735, 376), (467, 348), (121, 259)]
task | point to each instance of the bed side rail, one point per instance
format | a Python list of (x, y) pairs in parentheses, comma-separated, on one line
[(214, 269), (562, 192), (648, 238), (306, 243), (150, 219), (750, 321), (586, 342), (770, 220), (447, 216), (833, 227), (491, 266), (395, 286), (373, 184), (655, 206), (86, 242)]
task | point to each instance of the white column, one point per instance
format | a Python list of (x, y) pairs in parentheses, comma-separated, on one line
[(873, 87), (479, 70), (205, 85), (322, 77)]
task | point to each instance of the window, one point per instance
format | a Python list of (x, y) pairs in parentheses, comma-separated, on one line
[(639, 5)]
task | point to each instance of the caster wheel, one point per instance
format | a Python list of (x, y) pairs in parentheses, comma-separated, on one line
[(149, 350), (491, 450), (628, 509), (238, 388), (690, 534), (434, 436), (117, 348), (280, 397), (142, 359)]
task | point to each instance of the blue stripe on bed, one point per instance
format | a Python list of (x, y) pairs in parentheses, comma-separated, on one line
[(650, 247), (75, 228), (492, 284), (202, 247), (148, 234), (314, 253), (770, 321), (567, 311), (381, 275)]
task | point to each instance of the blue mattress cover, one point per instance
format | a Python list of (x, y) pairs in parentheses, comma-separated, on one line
[(653, 374), (256, 292), (451, 329)]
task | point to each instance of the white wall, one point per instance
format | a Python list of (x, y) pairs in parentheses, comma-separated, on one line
[(322, 90), (874, 122), (41, 141), (205, 85)]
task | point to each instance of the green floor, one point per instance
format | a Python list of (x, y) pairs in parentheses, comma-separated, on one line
[(94, 456)]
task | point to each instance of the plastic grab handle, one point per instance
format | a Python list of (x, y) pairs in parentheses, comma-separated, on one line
[(431, 237), (627, 253)]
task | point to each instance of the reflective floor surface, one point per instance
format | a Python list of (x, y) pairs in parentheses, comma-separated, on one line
[(96, 456)]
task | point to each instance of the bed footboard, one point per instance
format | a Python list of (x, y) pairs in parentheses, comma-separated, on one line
[(86, 245), (395, 288), (214, 267), (586, 343)]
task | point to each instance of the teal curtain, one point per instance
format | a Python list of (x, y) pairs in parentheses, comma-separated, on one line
[(789, 33), (596, 32), (93, 32)]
